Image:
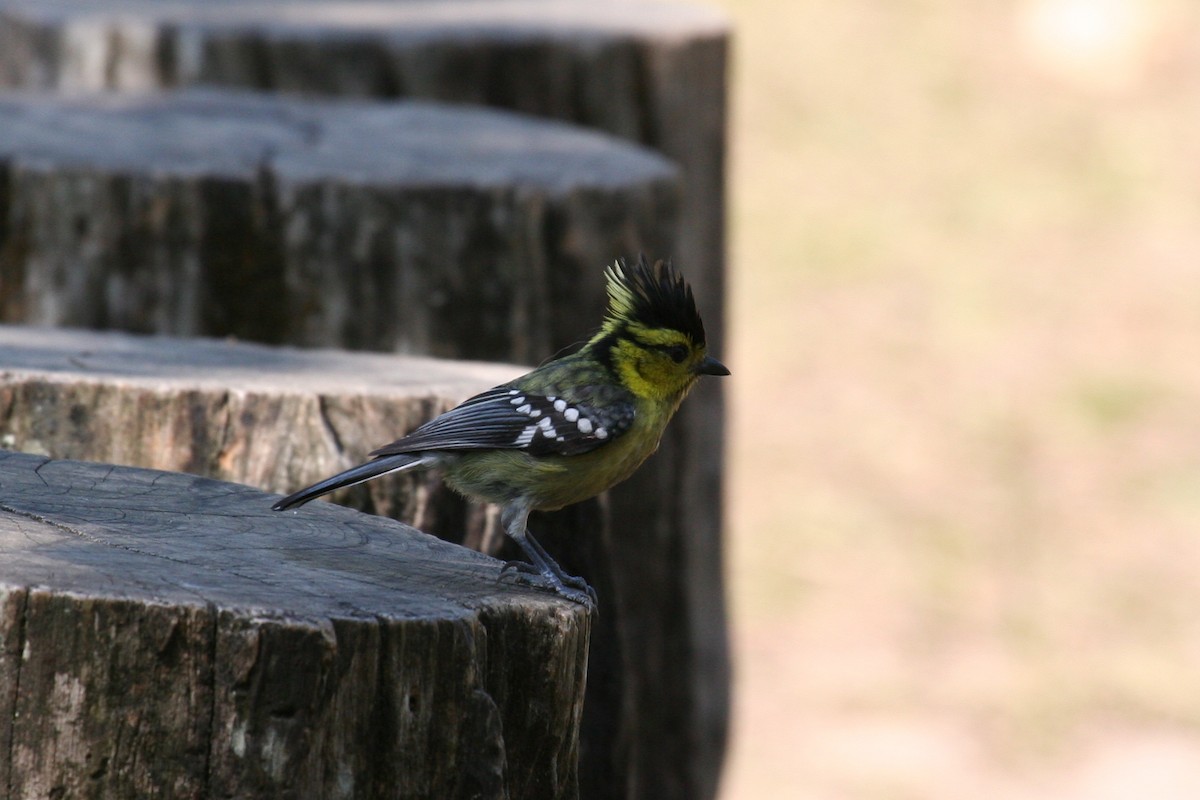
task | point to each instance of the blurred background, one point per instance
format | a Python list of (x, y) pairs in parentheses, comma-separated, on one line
[(965, 445)]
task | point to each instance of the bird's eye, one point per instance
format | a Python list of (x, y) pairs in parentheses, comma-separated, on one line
[(677, 352)]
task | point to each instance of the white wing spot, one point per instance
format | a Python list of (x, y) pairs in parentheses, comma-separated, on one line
[(516, 401), (514, 391), (526, 436), (525, 409), (547, 426), (571, 414), (560, 405), (601, 433), (537, 412), (585, 425)]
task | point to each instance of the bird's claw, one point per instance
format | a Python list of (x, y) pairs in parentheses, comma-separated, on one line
[(569, 587)]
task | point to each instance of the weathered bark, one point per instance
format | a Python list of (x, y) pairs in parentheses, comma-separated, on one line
[(164, 635)]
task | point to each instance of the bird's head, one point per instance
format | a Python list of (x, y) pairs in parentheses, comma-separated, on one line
[(653, 334)]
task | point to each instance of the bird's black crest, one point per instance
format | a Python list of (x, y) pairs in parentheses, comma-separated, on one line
[(655, 296)]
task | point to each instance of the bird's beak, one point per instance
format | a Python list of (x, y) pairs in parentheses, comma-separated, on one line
[(710, 366)]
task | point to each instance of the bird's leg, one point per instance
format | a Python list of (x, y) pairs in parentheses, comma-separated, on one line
[(573, 581), (515, 519)]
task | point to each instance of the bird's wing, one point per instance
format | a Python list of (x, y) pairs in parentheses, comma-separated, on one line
[(506, 418)]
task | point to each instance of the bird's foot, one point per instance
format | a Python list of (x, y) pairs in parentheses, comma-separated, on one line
[(525, 568), (570, 587)]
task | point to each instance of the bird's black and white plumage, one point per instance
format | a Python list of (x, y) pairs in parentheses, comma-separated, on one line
[(512, 418), (569, 429)]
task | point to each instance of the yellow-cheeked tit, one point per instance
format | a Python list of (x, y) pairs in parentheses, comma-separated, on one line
[(571, 428)]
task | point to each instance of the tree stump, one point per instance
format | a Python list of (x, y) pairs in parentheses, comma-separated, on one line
[(165, 635), (405, 227), (276, 418), (650, 72), (281, 418)]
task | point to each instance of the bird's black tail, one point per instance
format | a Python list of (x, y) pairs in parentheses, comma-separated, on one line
[(353, 476)]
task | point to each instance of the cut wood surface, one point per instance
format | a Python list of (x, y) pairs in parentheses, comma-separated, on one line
[(165, 635), (410, 227)]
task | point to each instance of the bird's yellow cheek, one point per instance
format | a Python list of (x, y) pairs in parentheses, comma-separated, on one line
[(648, 374), (663, 377)]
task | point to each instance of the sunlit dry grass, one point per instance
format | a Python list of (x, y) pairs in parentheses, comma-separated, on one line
[(965, 490)]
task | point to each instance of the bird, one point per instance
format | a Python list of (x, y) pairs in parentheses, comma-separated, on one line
[(571, 428)]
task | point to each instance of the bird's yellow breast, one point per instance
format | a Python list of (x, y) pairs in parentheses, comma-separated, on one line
[(551, 482)]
